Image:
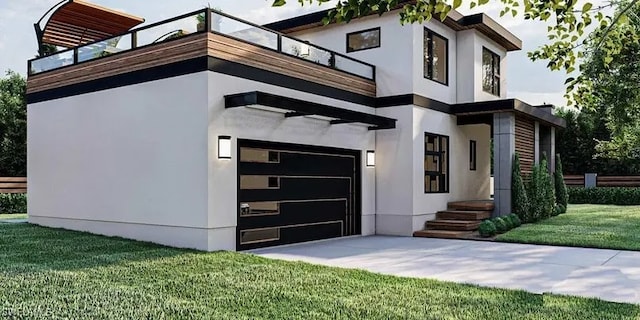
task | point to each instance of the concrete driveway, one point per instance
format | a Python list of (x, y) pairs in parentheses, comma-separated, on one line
[(606, 274)]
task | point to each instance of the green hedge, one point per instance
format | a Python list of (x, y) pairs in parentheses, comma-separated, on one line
[(605, 195), (13, 203)]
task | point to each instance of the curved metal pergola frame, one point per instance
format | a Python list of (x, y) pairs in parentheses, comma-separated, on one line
[(72, 23)]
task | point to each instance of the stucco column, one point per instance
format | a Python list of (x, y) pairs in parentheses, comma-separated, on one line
[(504, 148)]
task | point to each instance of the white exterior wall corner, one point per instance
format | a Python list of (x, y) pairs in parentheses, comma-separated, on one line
[(253, 124), (128, 161), (464, 184)]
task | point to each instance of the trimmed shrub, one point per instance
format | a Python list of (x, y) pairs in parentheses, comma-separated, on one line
[(562, 197), (487, 229), (501, 225), (521, 205), (515, 221), (549, 189), (536, 193), (508, 222), (13, 203), (605, 195)]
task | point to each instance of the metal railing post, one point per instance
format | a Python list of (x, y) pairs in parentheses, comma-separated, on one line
[(134, 39), (75, 55), (207, 22)]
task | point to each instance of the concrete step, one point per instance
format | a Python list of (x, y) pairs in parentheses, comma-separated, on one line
[(473, 205), (453, 225), (443, 234), (463, 215)]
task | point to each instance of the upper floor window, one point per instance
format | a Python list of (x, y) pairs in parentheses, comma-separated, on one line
[(490, 72), (363, 40), (436, 163), (436, 56)]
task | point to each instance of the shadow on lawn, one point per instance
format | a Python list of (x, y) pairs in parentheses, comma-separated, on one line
[(26, 248)]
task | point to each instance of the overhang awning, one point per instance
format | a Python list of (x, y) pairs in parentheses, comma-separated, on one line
[(294, 108), (75, 22), (480, 112)]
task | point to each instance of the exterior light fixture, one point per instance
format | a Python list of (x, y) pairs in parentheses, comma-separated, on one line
[(371, 158), (224, 147)]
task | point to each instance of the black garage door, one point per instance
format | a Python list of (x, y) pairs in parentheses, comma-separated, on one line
[(289, 193)]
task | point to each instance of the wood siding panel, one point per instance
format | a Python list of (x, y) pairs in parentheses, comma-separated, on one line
[(525, 144), (191, 46), (13, 185), (240, 52), (199, 45)]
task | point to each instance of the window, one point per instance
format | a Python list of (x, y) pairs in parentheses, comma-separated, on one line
[(363, 40), (473, 149), (436, 57), (436, 163), (490, 72)]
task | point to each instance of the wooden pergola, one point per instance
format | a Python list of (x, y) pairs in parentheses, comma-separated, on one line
[(76, 22)]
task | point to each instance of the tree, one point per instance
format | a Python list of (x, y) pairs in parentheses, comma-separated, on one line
[(13, 125), (611, 88), (549, 189), (567, 42), (521, 206)]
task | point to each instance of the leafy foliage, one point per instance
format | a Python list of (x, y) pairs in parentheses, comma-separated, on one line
[(568, 44), (562, 198), (606, 195), (519, 198), (549, 189), (536, 192), (578, 142), (487, 229), (13, 203), (515, 220), (13, 126), (501, 225)]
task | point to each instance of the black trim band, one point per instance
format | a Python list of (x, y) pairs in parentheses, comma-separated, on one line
[(121, 80), (297, 107)]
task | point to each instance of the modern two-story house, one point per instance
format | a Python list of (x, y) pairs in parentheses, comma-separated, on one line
[(210, 132)]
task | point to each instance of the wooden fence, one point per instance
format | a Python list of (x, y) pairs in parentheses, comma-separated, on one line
[(604, 181), (13, 185)]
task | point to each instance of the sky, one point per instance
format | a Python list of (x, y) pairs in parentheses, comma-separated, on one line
[(529, 81)]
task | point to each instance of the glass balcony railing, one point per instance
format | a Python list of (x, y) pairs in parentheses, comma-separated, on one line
[(202, 21)]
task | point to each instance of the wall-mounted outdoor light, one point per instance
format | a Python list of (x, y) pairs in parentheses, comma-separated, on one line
[(371, 158), (224, 147)]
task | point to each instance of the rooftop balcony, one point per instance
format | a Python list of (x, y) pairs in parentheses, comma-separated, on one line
[(203, 33)]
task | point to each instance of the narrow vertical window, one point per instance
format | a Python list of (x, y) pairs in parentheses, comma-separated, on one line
[(473, 149), (436, 163), (490, 72), (436, 57)]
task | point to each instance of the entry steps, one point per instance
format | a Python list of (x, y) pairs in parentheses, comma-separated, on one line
[(459, 221)]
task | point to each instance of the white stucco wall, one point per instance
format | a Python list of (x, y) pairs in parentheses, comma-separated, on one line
[(393, 60), (247, 123), (129, 161)]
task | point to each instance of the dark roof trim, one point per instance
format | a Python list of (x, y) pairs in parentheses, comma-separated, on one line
[(412, 99), (301, 107), (538, 113), (455, 20)]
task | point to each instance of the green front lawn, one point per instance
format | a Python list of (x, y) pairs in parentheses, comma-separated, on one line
[(12, 216), (55, 274), (597, 226)]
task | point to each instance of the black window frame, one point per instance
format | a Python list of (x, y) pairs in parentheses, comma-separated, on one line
[(428, 63), (495, 84), (443, 158), (473, 155), (349, 50)]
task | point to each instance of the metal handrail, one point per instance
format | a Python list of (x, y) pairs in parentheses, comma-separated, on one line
[(208, 14)]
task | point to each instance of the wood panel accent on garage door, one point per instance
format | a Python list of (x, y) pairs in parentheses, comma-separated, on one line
[(241, 52), (186, 48), (525, 144)]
